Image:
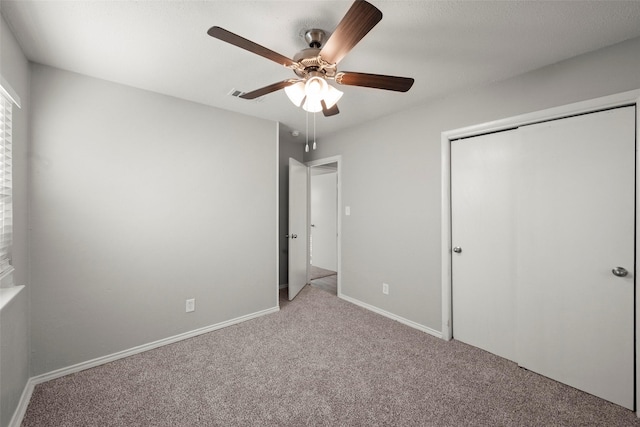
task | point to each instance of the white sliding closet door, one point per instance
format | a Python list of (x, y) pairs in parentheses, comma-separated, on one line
[(482, 217), (575, 317), (542, 215)]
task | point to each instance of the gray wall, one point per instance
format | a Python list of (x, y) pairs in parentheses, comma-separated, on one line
[(138, 202), (391, 175), (289, 147), (14, 320)]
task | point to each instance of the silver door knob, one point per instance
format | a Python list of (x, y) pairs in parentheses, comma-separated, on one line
[(457, 249), (620, 272), (294, 236)]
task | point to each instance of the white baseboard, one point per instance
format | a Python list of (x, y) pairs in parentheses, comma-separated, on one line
[(18, 414), (33, 381), (392, 316)]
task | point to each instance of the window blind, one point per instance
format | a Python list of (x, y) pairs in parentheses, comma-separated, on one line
[(6, 178)]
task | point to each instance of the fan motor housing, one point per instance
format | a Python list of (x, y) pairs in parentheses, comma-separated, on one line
[(309, 58)]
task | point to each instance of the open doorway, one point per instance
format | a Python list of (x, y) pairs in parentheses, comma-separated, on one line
[(324, 225)]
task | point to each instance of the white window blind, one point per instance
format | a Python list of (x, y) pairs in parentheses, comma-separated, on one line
[(6, 174)]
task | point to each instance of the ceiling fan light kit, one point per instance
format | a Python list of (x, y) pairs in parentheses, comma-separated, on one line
[(318, 63), (311, 93)]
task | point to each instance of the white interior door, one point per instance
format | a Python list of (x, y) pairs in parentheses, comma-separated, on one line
[(482, 215), (575, 318), (298, 229)]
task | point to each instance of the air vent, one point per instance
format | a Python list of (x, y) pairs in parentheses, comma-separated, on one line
[(236, 93)]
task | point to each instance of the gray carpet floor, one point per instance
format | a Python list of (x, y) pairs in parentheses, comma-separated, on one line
[(320, 361)]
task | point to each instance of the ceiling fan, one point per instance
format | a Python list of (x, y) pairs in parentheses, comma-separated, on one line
[(318, 63)]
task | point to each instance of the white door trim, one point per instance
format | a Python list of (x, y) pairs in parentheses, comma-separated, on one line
[(335, 159), (611, 101), (278, 231)]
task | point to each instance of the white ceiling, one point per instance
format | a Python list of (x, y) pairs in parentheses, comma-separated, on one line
[(163, 46)]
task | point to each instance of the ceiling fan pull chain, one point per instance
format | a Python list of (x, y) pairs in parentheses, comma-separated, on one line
[(306, 147), (314, 131)]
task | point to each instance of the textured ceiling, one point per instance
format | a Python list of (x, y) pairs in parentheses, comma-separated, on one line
[(446, 46)]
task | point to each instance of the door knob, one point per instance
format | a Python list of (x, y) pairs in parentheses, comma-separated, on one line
[(457, 249), (620, 272), (294, 236)]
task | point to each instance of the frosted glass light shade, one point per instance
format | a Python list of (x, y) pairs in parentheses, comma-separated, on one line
[(312, 106), (296, 93), (333, 95), (316, 89), (310, 93)]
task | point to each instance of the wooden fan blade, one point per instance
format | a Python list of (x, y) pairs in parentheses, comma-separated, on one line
[(376, 81), (328, 112), (267, 89), (358, 21), (241, 42)]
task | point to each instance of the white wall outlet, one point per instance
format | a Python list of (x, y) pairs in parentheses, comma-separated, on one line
[(347, 210), (191, 305), (385, 288)]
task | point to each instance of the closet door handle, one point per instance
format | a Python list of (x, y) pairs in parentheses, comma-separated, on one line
[(620, 271), (457, 249)]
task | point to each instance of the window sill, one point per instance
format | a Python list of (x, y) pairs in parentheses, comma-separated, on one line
[(7, 294)]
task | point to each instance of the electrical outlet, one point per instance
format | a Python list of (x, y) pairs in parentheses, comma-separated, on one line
[(191, 305), (385, 288)]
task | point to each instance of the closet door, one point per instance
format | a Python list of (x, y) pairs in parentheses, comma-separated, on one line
[(483, 194), (576, 214)]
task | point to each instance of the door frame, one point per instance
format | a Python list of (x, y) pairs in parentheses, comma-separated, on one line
[(320, 162), (630, 98)]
